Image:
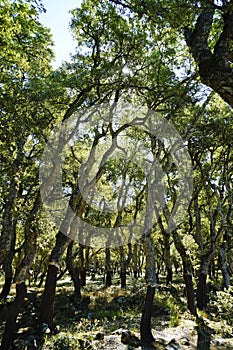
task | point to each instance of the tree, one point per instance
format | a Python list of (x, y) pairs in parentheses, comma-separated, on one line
[(25, 56), (21, 39), (206, 27)]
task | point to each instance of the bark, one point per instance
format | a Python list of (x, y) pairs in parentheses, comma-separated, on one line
[(202, 291), (224, 250), (145, 325), (30, 242), (135, 261), (189, 291), (47, 304), (21, 274), (224, 268), (8, 218), (167, 257), (203, 336), (73, 271), (122, 267), (13, 311), (198, 236), (214, 66), (169, 275), (7, 268), (206, 259), (124, 263), (83, 273), (108, 269), (8, 236), (187, 272)]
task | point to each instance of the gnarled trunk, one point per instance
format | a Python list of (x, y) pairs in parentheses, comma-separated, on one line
[(187, 272), (73, 271), (47, 303), (145, 326), (13, 311), (21, 274), (7, 268), (224, 268), (108, 268), (202, 291), (189, 291), (167, 256), (214, 64)]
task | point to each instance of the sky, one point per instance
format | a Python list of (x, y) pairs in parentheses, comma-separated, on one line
[(57, 18)]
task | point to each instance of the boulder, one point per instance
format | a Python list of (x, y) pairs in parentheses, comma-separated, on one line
[(173, 345)]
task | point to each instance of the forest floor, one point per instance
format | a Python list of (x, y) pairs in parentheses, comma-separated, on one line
[(109, 318)]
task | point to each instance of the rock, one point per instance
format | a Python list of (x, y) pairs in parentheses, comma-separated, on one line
[(128, 338), (173, 345), (221, 343), (119, 331), (184, 341), (111, 338), (99, 336), (159, 344)]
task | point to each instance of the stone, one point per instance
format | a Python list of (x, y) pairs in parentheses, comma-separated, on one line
[(173, 345), (127, 337), (184, 341)]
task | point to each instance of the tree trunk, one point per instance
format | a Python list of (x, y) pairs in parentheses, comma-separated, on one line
[(202, 291), (203, 336), (125, 266), (83, 277), (167, 256), (73, 271), (202, 278), (187, 272), (214, 63), (145, 326), (7, 238), (122, 267), (21, 274), (190, 293), (83, 273), (224, 268), (7, 268), (169, 275), (13, 311), (108, 270), (47, 304), (135, 261)]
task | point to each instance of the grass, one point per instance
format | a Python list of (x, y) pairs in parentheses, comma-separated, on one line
[(114, 308)]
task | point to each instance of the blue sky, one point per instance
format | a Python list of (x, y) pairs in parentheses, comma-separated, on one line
[(57, 18)]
